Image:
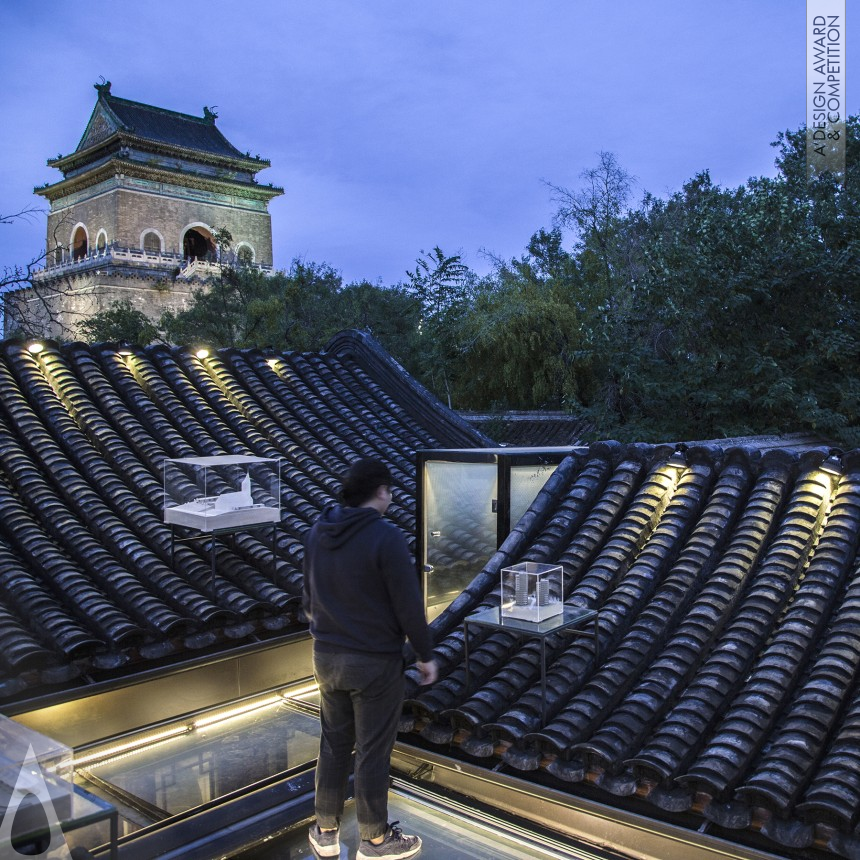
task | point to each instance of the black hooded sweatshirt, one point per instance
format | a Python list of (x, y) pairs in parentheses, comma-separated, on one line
[(361, 591)]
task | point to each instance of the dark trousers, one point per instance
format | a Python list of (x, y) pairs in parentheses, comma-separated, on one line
[(361, 701)]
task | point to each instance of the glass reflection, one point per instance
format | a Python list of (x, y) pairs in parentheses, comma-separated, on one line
[(444, 835), (215, 758)]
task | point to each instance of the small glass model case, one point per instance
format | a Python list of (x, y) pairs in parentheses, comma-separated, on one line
[(33, 769), (531, 591), (230, 491)]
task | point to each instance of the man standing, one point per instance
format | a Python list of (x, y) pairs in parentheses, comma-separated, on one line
[(362, 598)]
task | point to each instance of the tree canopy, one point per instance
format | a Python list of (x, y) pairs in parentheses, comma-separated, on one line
[(709, 312)]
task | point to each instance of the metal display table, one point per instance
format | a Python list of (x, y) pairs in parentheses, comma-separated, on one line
[(85, 809), (211, 535), (572, 618)]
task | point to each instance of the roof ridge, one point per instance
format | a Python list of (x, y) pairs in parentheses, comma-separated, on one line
[(203, 120)]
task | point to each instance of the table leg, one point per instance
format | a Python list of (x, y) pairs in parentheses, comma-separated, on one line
[(466, 656), (543, 681), (114, 835)]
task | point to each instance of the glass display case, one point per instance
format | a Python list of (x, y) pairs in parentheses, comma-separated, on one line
[(531, 591), (222, 493)]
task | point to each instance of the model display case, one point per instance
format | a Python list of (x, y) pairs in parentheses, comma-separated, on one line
[(226, 492), (531, 591), (34, 769)]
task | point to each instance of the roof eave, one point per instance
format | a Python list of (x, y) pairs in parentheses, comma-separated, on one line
[(114, 165), (77, 158)]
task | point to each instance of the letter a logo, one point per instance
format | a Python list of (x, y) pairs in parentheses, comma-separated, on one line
[(31, 781)]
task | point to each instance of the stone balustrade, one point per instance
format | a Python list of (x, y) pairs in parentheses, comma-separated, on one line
[(189, 267)]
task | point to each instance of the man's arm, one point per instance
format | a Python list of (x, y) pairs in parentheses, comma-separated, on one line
[(306, 583), (405, 594)]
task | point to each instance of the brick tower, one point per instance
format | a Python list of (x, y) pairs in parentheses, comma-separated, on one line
[(137, 210)]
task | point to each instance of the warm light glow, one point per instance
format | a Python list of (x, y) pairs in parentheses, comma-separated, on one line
[(298, 692), (272, 362), (146, 742), (202, 353), (237, 712), (136, 745), (679, 457), (35, 347), (832, 466), (125, 351)]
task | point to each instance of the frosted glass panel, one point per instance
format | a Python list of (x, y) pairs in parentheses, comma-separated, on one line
[(526, 483), (460, 527)]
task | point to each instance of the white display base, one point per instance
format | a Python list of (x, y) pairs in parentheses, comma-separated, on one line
[(207, 518), (532, 613)]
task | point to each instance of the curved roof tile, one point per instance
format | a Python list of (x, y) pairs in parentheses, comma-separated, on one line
[(723, 685), (89, 574)]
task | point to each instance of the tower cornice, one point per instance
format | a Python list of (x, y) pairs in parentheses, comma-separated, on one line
[(123, 139), (120, 167)]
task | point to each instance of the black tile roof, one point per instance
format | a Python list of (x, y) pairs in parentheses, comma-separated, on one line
[(532, 429), (87, 581), (167, 126), (114, 116), (723, 689)]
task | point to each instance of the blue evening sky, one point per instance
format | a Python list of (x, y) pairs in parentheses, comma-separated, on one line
[(397, 125)]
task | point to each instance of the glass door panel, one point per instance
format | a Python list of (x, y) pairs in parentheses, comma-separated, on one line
[(460, 527)]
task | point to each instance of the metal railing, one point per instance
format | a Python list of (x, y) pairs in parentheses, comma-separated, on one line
[(188, 266)]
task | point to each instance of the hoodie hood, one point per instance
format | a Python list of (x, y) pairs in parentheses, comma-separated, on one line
[(339, 523)]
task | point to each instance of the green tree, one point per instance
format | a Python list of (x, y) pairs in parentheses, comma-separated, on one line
[(390, 314), (524, 333), (439, 282), (298, 309), (244, 306), (120, 321), (442, 286), (744, 314), (595, 213)]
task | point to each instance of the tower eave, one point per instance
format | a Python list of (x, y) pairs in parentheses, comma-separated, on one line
[(115, 166), (119, 139)]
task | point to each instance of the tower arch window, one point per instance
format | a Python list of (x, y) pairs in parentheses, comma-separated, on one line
[(245, 254), (101, 240), (198, 243), (152, 242), (80, 242)]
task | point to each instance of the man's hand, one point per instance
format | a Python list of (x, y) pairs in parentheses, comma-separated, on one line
[(429, 672)]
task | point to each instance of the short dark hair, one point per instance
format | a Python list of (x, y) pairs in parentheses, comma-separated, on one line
[(362, 481)]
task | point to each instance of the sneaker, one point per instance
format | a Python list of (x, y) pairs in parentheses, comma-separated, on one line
[(325, 842), (394, 846)]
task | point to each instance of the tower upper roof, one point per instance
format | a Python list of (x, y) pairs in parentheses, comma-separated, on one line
[(158, 124), (114, 117), (144, 139)]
